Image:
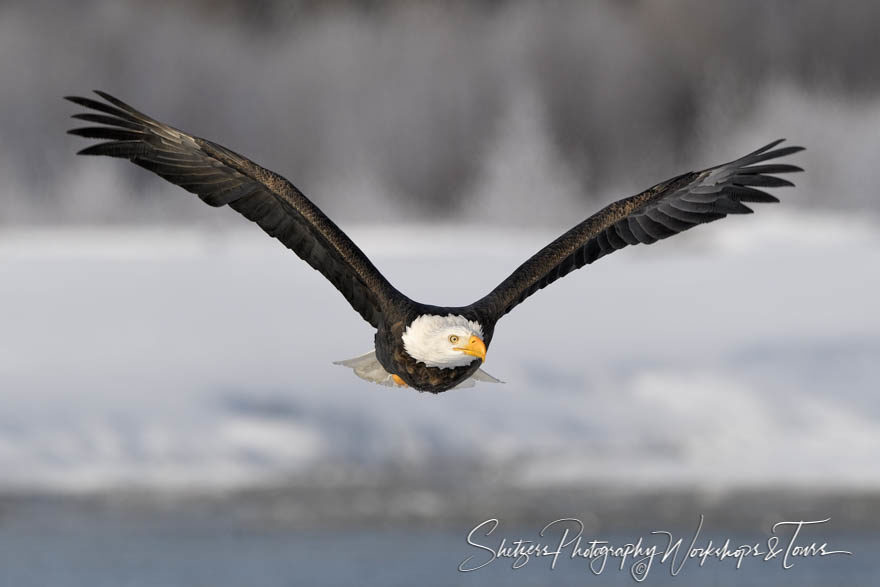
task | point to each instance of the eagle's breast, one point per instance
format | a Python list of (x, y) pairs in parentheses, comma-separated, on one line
[(432, 379)]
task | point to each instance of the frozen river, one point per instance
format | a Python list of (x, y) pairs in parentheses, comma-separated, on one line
[(740, 354)]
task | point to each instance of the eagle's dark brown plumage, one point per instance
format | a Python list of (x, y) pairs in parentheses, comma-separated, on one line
[(221, 177)]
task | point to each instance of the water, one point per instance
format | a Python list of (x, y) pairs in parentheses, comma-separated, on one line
[(96, 549)]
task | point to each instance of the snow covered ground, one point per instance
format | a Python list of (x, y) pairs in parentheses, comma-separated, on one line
[(740, 354)]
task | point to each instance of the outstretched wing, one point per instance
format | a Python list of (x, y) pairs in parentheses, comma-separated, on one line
[(666, 209), (219, 176)]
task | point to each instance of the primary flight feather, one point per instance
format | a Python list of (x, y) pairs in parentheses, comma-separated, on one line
[(429, 348)]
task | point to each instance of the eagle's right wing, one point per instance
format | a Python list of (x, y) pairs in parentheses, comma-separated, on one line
[(219, 176), (666, 209)]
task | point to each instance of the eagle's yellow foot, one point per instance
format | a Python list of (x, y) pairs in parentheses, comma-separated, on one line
[(399, 381)]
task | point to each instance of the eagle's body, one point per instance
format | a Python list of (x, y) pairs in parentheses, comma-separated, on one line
[(399, 354), (429, 348)]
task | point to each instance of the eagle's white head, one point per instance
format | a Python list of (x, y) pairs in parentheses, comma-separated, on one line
[(444, 341)]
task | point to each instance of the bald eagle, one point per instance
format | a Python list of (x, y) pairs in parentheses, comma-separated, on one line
[(429, 348)]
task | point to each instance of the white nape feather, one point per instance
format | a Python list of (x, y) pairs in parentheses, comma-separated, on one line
[(427, 340), (367, 367)]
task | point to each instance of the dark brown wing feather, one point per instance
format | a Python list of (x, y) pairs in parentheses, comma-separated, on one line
[(659, 212), (221, 177)]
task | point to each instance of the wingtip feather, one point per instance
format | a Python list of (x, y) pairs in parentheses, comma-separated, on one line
[(117, 102), (78, 100), (88, 151)]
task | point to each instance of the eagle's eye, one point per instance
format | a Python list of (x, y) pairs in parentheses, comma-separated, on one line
[(453, 339)]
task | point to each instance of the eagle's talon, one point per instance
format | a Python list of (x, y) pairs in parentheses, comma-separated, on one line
[(400, 382)]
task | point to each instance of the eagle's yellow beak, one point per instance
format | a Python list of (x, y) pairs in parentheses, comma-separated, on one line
[(474, 347)]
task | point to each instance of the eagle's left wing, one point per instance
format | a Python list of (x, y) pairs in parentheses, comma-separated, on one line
[(221, 177), (666, 209)]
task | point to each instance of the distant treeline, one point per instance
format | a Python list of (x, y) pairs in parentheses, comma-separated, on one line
[(409, 97)]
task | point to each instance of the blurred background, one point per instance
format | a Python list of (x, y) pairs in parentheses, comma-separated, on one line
[(171, 414)]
